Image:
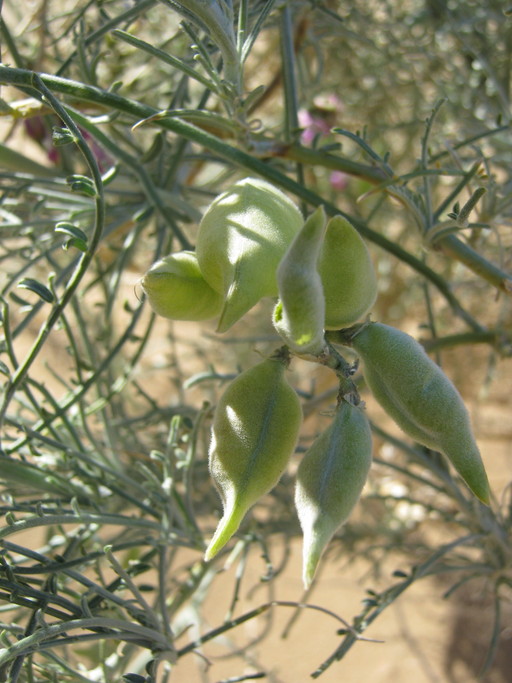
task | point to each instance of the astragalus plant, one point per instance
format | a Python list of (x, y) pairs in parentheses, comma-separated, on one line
[(292, 180)]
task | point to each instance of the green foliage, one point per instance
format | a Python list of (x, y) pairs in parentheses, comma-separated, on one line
[(121, 124)]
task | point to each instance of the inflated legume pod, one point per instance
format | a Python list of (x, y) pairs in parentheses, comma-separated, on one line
[(330, 479), (242, 238), (176, 289), (300, 312), (348, 275), (421, 399), (255, 430)]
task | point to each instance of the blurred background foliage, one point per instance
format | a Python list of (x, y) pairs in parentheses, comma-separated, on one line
[(396, 113)]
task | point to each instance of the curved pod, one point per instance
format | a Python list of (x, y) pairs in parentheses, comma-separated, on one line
[(421, 399), (242, 238), (255, 430), (176, 289), (330, 479), (300, 312), (348, 275)]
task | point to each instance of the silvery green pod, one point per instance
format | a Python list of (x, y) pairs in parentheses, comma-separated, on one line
[(300, 312), (330, 479), (176, 289), (348, 275), (421, 399), (242, 238), (254, 433)]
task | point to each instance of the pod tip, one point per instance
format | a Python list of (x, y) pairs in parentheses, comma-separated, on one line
[(227, 526), (314, 543)]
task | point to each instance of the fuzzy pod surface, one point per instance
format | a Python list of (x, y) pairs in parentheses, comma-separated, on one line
[(254, 433), (299, 314), (242, 237), (348, 276), (176, 289), (422, 400), (330, 479)]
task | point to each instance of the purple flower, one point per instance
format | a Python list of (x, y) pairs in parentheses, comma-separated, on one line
[(312, 126), (338, 180), (317, 120), (38, 130)]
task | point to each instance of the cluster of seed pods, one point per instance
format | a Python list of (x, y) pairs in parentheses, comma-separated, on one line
[(252, 243)]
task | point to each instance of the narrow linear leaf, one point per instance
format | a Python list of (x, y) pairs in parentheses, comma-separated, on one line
[(175, 62), (78, 244), (82, 184), (71, 230), (38, 288), (109, 175), (470, 204), (203, 119), (62, 136), (249, 41)]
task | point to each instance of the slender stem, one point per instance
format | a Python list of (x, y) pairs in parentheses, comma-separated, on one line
[(87, 384), (175, 62), (83, 518), (291, 96), (23, 79), (424, 165), (35, 640), (130, 584), (255, 613), (456, 191), (83, 264), (139, 170), (494, 640), (216, 19), (387, 599), (452, 246), (123, 18), (496, 338), (317, 157)]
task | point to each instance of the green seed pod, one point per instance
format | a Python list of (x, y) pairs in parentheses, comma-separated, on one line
[(348, 276), (255, 430), (242, 238), (300, 313), (330, 479), (176, 289), (421, 399)]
